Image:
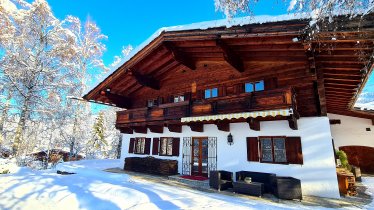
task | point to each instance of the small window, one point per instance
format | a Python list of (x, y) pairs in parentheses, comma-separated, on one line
[(139, 145), (259, 86), (152, 102), (214, 92), (254, 86), (208, 93), (178, 99), (211, 93), (273, 149), (166, 146), (249, 87)]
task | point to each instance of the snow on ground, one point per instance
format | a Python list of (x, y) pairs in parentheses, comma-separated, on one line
[(92, 188), (8, 166), (369, 183)]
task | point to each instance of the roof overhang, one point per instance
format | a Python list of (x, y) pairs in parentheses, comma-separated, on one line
[(340, 57)]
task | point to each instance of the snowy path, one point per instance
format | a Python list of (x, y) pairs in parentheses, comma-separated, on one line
[(91, 188)]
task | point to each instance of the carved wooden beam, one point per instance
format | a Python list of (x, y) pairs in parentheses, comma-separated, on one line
[(156, 128), (223, 125), (118, 100), (145, 80), (197, 126), (230, 57), (176, 128), (253, 124), (292, 122), (126, 130), (180, 56), (140, 129)]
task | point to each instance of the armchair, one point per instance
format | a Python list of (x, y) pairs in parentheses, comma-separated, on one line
[(220, 180)]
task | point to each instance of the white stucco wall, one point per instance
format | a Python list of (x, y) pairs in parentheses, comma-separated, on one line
[(352, 131), (317, 174)]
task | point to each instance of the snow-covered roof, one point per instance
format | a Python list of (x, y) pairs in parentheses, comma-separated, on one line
[(202, 26)]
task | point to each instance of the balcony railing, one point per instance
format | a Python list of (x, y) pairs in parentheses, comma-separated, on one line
[(246, 102)]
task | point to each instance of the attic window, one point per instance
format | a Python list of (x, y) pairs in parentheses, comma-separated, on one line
[(179, 98), (254, 86), (152, 102), (211, 93)]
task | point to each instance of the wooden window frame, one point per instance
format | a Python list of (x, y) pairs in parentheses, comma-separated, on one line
[(272, 149), (167, 150), (137, 140)]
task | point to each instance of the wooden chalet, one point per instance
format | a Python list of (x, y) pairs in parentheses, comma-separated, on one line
[(247, 97)]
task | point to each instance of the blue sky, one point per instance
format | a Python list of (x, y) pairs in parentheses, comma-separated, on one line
[(131, 22)]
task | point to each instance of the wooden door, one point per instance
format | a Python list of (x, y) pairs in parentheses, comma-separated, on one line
[(199, 155)]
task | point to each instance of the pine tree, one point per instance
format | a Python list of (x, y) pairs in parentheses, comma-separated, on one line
[(97, 145)]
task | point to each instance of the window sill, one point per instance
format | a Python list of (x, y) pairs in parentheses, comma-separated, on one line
[(279, 163)]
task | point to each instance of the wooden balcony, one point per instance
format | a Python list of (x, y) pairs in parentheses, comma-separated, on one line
[(171, 113)]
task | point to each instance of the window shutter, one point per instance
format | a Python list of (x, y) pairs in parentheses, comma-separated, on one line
[(160, 100), (200, 94), (221, 91), (131, 145), (252, 149), (187, 96), (155, 146), (271, 83), (240, 88), (146, 103), (175, 151), (293, 150), (147, 146)]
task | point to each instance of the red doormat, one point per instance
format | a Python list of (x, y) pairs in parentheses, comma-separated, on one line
[(198, 178)]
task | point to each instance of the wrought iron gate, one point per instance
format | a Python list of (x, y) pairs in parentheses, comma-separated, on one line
[(186, 158), (212, 154)]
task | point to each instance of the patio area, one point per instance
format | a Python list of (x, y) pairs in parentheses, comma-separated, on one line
[(359, 201)]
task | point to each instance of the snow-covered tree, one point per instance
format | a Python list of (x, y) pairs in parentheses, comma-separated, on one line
[(37, 52), (44, 61), (88, 64), (319, 9), (96, 147), (112, 135)]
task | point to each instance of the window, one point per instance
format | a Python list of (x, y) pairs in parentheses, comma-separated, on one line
[(139, 145), (259, 86), (166, 146), (211, 93), (254, 86), (152, 102), (273, 149), (178, 98), (249, 87)]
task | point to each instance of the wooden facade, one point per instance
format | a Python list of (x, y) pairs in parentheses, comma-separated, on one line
[(311, 77)]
